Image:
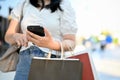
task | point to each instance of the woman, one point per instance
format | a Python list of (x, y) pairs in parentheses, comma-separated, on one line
[(58, 19)]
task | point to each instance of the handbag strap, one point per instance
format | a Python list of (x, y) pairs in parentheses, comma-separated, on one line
[(9, 51)]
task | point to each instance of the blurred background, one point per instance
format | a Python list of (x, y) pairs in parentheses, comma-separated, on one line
[(99, 34)]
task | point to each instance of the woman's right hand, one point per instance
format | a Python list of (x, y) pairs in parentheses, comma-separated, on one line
[(20, 39)]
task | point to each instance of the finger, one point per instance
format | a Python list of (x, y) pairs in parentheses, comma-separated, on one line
[(32, 39), (33, 35), (18, 43), (25, 42), (21, 41), (47, 33)]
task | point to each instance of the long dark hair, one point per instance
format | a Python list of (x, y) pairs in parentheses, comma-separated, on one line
[(53, 6)]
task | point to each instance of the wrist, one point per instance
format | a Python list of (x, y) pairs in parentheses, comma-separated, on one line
[(15, 37), (55, 45)]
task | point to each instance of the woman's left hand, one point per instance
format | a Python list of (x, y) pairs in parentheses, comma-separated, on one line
[(46, 41)]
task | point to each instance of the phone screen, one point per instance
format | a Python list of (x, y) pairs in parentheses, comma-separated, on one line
[(39, 30)]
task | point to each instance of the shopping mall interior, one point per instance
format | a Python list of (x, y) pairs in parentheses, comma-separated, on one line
[(98, 34)]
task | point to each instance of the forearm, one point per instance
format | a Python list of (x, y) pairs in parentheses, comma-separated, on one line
[(67, 45), (10, 38), (11, 31)]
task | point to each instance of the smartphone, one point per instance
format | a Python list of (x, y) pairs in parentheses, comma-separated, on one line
[(39, 30)]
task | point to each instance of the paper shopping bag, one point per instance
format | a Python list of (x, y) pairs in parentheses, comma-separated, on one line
[(55, 69), (88, 73)]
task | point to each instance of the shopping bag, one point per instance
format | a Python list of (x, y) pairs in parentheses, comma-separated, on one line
[(55, 69), (9, 59), (89, 72)]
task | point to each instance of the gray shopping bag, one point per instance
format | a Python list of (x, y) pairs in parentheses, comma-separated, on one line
[(55, 69)]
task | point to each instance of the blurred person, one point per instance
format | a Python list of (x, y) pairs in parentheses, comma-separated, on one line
[(58, 19)]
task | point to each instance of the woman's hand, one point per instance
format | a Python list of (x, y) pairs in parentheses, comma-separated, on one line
[(46, 41), (20, 39)]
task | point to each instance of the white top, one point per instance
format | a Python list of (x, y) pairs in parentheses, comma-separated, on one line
[(57, 23)]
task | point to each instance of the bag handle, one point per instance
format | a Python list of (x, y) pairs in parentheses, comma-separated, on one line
[(61, 50)]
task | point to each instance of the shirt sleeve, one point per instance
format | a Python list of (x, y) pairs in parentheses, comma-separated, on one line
[(68, 19), (17, 11)]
